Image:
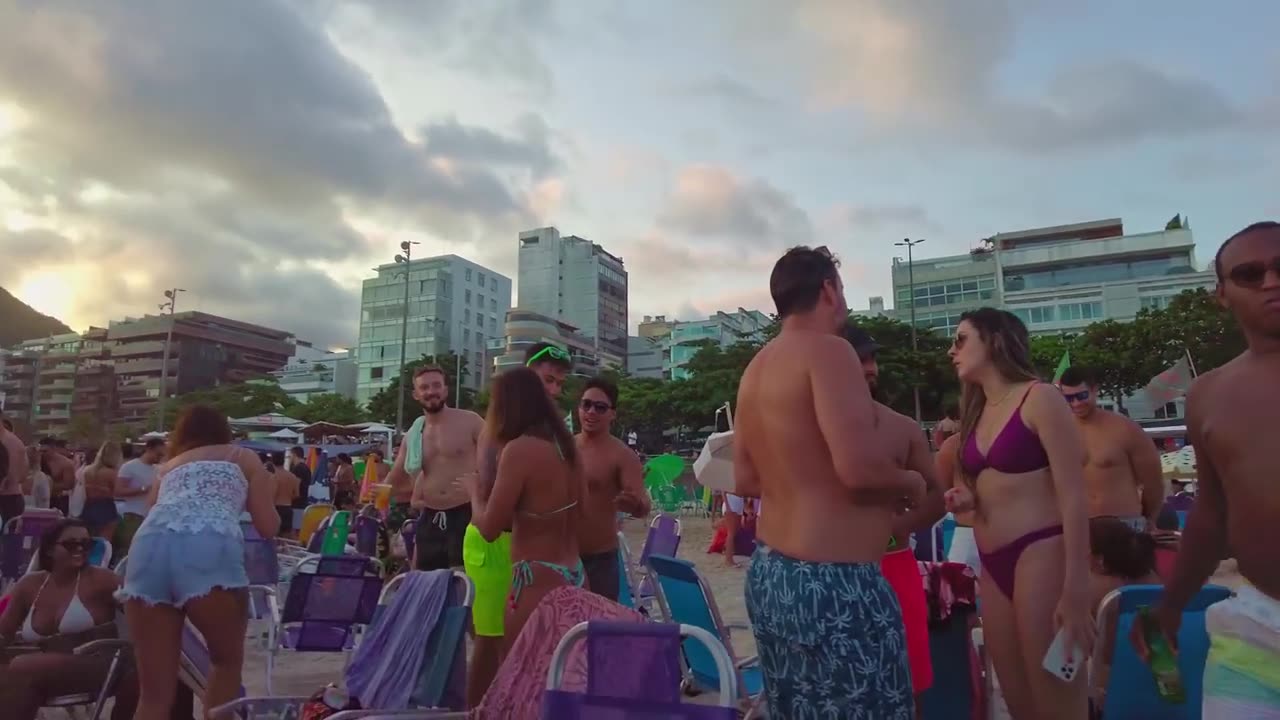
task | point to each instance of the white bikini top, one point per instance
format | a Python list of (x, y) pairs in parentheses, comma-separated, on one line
[(75, 619)]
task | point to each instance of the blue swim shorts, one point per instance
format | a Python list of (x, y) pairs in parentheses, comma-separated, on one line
[(830, 639), (167, 567)]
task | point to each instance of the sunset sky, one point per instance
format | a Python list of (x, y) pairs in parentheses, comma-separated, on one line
[(265, 155)]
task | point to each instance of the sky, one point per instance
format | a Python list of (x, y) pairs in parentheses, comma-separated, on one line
[(265, 155)]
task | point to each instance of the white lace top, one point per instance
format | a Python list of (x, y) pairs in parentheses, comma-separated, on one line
[(200, 496)]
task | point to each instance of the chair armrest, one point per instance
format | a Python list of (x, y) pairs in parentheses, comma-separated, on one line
[(737, 626), (747, 662), (94, 647)]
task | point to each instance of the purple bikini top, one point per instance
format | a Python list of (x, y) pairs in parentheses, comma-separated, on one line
[(1015, 450)]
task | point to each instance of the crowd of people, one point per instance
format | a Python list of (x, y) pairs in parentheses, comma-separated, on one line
[(1056, 501)]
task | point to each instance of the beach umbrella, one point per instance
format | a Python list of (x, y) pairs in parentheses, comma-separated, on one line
[(662, 470), (714, 466)]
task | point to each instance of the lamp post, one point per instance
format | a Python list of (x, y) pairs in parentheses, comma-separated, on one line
[(911, 283), (170, 303), (406, 246), (457, 371)]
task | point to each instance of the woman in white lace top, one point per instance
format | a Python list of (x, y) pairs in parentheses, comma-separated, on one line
[(187, 559)]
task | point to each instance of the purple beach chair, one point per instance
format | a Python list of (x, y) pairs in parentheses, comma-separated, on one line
[(367, 529), (663, 539), (327, 610), (18, 542), (633, 672)]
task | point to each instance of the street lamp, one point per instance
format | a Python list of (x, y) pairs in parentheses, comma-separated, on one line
[(911, 282), (170, 304), (406, 246)]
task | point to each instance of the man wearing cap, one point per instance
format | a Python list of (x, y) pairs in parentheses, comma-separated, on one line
[(910, 449)]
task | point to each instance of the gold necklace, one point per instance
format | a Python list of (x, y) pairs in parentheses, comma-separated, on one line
[(1004, 397)]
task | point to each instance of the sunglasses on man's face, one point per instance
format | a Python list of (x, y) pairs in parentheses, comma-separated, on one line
[(1076, 397), (1253, 273), (600, 407), (83, 546), (550, 351)]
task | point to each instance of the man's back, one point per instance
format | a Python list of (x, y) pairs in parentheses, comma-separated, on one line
[(812, 514)]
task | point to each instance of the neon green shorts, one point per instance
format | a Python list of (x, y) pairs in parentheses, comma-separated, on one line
[(489, 567)]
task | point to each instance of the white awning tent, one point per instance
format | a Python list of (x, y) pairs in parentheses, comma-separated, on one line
[(269, 420), (284, 434)]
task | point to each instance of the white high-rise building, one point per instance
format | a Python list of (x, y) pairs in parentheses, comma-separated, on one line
[(575, 281), (455, 306)]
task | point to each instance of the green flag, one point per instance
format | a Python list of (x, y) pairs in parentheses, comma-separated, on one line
[(1063, 364)]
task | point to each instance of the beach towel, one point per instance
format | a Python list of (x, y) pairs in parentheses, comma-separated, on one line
[(413, 446), (1242, 672), (384, 671), (516, 692)]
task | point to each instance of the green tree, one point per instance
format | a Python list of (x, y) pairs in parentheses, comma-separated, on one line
[(85, 430), (257, 397), (330, 407), (1194, 322), (382, 406), (899, 367)]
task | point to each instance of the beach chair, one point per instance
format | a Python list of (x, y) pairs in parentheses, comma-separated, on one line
[(367, 530), (663, 538), (311, 518), (409, 533), (18, 542), (686, 598), (633, 672), (326, 610), (521, 682), (1131, 689)]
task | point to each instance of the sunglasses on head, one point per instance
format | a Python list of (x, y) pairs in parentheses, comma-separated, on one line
[(1076, 397), (84, 545), (600, 407), (550, 351), (1253, 273)]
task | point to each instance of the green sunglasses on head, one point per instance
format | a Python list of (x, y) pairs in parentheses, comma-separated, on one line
[(550, 351)]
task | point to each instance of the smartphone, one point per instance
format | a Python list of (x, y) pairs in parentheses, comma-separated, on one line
[(1057, 662)]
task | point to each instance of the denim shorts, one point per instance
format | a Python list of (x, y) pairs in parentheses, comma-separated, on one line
[(168, 567)]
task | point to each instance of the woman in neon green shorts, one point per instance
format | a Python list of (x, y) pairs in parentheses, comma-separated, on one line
[(536, 493)]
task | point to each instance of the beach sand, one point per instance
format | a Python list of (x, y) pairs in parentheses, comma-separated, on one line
[(304, 674)]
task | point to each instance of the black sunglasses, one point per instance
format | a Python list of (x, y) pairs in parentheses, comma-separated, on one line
[(73, 545), (1253, 273), (600, 407), (1076, 397)]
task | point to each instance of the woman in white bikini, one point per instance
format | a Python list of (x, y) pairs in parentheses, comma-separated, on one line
[(63, 604)]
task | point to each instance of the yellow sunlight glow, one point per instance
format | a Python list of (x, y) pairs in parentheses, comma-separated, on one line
[(48, 292)]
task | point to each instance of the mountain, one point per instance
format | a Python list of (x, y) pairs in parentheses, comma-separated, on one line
[(19, 322)]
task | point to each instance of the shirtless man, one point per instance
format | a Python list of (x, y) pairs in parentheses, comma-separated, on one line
[(288, 487), (615, 483), (437, 451), (1232, 414), (13, 475), (910, 450), (827, 625), (61, 471), (488, 564), (1122, 472)]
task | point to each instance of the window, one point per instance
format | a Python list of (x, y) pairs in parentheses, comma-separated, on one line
[(493, 305), (468, 274), (480, 319), (466, 315), (466, 336), (480, 301), (492, 325), (480, 279), (468, 297), (375, 373), (493, 284)]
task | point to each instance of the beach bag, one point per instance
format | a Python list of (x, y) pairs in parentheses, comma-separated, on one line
[(326, 702), (75, 505)]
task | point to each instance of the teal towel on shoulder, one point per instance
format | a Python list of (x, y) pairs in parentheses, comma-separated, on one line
[(413, 446)]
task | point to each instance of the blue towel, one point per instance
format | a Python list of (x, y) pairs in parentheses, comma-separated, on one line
[(384, 671)]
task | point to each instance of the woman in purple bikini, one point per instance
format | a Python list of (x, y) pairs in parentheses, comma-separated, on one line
[(1021, 459)]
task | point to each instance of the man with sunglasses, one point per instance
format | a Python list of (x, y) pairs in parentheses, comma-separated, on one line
[(488, 564), (1122, 473), (1232, 415), (615, 483), (828, 627), (910, 449)]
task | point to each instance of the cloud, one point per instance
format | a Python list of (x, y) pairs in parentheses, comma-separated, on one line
[(931, 70), (881, 217), (481, 146), (224, 147), (709, 201), (27, 248), (733, 94)]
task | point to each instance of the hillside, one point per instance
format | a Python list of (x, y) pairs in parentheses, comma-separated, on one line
[(19, 322)]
